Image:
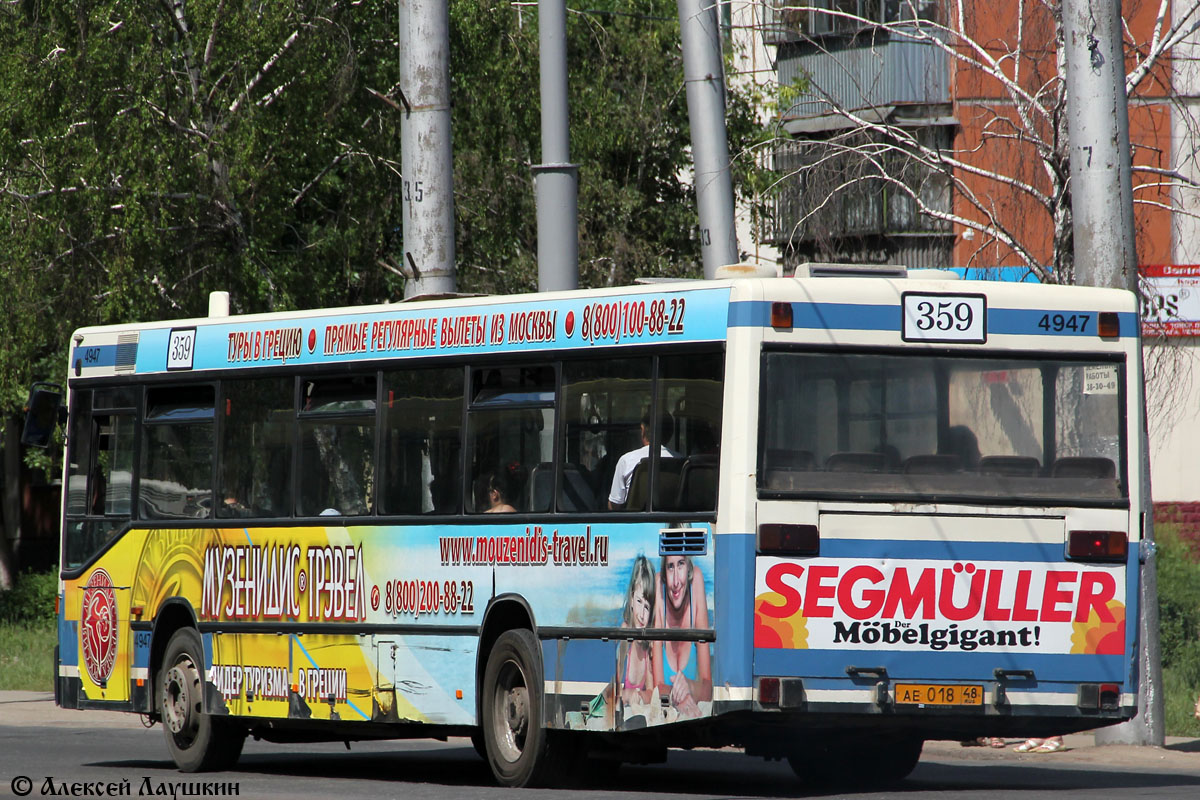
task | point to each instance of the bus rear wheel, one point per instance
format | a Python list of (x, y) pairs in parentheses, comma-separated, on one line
[(519, 749), (198, 742)]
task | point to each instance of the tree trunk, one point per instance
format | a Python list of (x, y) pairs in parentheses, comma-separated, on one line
[(10, 501)]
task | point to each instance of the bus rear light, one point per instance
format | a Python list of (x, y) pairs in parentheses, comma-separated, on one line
[(1098, 545), (768, 691), (781, 539), (1110, 325), (1099, 696), (781, 315)]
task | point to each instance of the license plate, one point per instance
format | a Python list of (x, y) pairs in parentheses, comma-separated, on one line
[(939, 694)]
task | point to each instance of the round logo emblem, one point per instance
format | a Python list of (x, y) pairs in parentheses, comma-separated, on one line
[(98, 626)]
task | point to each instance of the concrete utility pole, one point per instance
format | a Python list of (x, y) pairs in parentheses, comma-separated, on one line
[(704, 77), (556, 180), (425, 158), (1106, 255)]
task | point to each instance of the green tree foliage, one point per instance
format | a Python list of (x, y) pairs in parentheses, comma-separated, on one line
[(152, 151), (629, 135), (1179, 603)]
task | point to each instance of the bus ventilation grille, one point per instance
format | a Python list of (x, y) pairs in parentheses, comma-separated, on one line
[(127, 344), (682, 542)]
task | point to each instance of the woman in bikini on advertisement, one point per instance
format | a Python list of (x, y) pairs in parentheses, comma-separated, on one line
[(682, 669), (637, 680)]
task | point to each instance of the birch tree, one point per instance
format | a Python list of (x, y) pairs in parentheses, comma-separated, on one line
[(1007, 169)]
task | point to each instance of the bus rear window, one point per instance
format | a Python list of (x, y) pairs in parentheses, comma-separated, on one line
[(1011, 429)]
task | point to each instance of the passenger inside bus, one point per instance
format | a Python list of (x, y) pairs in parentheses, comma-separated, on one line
[(493, 492), (626, 464)]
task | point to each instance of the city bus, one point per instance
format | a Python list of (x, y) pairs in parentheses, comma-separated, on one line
[(823, 518)]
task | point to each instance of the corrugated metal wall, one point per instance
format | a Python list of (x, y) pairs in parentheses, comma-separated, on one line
[(863, 72)]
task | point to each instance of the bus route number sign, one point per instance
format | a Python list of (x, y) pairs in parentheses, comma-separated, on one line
[(929, 317), (181, 348)]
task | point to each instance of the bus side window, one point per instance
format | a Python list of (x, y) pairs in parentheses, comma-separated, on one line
[(422, 440), (175, 480), (690, 392), (256, 448), (100, 442), (603, 404), (510, 425), (337, 446)]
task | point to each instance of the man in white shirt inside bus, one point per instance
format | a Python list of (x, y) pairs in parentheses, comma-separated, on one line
[(619, 494)]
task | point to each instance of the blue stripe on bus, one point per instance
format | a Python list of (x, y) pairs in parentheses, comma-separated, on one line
[(68, 641), (1026, 321), (733, 590), (831, 316), (103, 355), (579, 659), (944, 550), (1133, 604), (943, 665), (861, 317)]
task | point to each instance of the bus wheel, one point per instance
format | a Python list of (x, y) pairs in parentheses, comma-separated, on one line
[(517, 745), (896, 759), (198, 742)]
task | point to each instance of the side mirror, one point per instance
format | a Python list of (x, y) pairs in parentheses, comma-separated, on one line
[(43, 411)]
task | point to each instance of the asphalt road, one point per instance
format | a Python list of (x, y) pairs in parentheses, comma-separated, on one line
[(103, 752)]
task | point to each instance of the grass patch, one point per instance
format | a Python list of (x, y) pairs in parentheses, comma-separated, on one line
[(1179, 699), (1179, 629), (27, 656)]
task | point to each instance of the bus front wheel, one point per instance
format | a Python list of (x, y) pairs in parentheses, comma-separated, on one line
[(198, 742), (518, 746)]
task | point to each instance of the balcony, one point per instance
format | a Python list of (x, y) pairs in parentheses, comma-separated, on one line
[(863, 71)]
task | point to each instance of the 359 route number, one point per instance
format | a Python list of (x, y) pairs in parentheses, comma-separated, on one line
[(929, 317), (181, 348)]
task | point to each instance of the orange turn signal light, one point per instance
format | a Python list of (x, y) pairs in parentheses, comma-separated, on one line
[(1109, 326), (781, 315)]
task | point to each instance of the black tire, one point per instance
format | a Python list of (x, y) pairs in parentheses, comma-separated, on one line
[(198, 742), (897, 759), (520, 751), (479, 745)]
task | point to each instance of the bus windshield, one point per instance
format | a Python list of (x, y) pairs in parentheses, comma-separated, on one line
[(1014, 429)]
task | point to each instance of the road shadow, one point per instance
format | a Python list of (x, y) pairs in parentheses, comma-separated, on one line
[(695, 773)]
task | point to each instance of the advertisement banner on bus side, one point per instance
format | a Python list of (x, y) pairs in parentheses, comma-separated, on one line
[(394, 614), (937, 606), (401, 331)]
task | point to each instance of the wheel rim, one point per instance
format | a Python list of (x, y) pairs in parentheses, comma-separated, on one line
[(510, 711), (181, 700)]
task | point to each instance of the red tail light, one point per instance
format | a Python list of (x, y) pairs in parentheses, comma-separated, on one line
[(1098, 545), (768, 691), (782, 539)]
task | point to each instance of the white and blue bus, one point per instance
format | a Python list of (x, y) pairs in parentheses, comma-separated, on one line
[(811, 517)]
